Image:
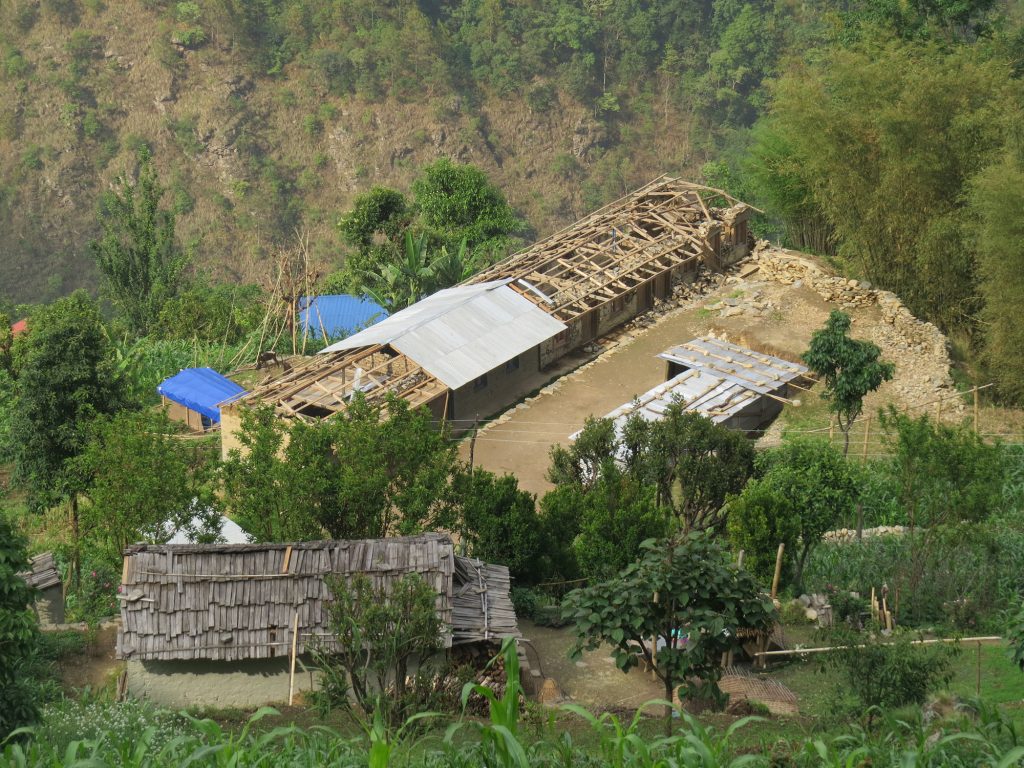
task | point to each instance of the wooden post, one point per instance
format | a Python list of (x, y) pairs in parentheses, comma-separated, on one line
[(778, 571), (867, 433), (831, 429), (975, 410), (291, 675), (774, 592), (472, 446), (871, 607), (977, 682)]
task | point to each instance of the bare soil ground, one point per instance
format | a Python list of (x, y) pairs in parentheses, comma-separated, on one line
[(760, 313), (594, 681)]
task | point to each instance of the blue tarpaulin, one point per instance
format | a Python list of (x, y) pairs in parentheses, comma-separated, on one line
[(200, 390), (339, 316)]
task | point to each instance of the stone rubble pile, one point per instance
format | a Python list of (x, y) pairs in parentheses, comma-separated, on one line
[(917, 347), (850, 534)]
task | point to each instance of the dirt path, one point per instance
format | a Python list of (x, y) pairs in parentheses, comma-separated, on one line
[(594, 680), (520, 442)]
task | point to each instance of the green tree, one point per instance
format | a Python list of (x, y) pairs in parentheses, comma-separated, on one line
[(457, 202), (759, 520), (617, 514), (943, 474), (922, 118), (394, 469), (499, 522), (378, 469), (850, 368), (18, 634), (375, 227), (678, 608), (137, 255), (819, 485), (257, 480), (67, 379), (379, 631), (996, 200), (694, 464), (143, 483)]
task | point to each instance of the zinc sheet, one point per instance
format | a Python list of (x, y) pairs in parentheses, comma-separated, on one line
[(461, 333), (730, 362)]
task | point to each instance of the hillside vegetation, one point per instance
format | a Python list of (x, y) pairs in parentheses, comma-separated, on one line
[(266, 117), (883, 135)]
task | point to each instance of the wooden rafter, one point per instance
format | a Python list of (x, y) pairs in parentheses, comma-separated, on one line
[(609, 253), (327, 382)]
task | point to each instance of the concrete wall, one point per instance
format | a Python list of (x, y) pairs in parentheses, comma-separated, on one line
[(50, 606), (243, 684), (230, 426), (178, 412), (503, 388)]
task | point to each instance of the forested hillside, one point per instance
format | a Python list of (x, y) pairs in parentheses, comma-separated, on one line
[(883, 134), (266, 117)]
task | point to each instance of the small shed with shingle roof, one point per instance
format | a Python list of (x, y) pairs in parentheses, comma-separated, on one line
[(212, 624), (44, 576)]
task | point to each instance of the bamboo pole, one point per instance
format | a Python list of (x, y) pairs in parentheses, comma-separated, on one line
[(867, 433), (975, 410), (934, 641), (291, 675)]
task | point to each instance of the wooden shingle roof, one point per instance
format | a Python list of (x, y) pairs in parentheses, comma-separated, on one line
[(234, 602), (43, 573)]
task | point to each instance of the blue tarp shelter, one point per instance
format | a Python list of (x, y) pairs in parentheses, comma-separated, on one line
[(199, 390), (338, 315)]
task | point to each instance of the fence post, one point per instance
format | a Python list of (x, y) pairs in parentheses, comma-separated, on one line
[(975, 410), (867, 432)]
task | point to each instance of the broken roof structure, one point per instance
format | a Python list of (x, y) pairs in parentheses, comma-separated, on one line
[(42, 573), (661, 226), (727, 383), (557, 295), (238, 602)]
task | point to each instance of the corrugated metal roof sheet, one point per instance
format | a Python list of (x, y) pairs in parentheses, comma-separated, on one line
[(754, 370), (200, 390), (19, 327), (721, 380), (461, 333), (338, 315)]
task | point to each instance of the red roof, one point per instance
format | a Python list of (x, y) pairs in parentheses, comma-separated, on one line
[(19, 327)]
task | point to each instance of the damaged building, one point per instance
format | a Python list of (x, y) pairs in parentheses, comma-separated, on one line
[(469, 351)]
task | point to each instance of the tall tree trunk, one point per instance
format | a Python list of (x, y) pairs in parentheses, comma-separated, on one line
[(76, 563), (669, 710)]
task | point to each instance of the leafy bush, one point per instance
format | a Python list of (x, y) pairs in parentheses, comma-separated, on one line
[(380, 632), (889, 672), (95, 597), (962, 575), (18, 633)]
